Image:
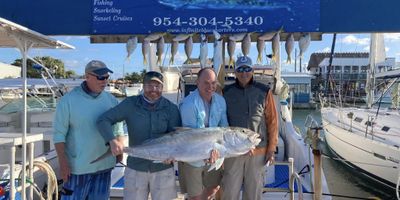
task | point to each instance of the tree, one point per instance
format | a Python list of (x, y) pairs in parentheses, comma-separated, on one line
[(135, 77), (55, 66)]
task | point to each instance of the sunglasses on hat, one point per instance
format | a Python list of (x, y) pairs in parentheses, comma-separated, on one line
[(244, 69)]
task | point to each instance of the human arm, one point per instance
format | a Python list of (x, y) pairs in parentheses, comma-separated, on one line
[(65, 170), (271, 117), (109, 132), (60, 132)]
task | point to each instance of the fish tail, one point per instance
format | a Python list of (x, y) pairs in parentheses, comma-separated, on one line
[(158, 60), (289, 60), (171, 61), (274, 58), (189, 61), (231, 61), (259, 58)]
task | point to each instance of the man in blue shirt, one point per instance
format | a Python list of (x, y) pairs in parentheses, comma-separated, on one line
[(147, 116), (202, 108), (77, 140)]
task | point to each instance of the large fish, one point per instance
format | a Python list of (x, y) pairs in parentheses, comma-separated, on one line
[(231, 52), (246, 43), (289, 45), (145, 50), (304, 42), (188, 49), (174, 50), (260, 49), (217, 55), (190, 145), (203, 50), (131, 45), (160, 50)]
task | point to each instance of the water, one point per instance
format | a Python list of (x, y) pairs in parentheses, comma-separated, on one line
[(343, 180)]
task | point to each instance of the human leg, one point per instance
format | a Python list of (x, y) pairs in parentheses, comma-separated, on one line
[(232, 178), (253, 177), (76, 188), (136, 185), (194, 180), (100, 186), (211, 181), (162, 185)]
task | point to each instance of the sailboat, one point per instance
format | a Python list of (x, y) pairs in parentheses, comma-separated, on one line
[(367, 139)]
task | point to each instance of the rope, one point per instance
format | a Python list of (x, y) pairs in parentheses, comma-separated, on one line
[(52, 187)]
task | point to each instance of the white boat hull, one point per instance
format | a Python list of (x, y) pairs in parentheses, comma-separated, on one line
[(376, 159)]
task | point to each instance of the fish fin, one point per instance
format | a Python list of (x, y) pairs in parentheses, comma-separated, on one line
[(171, 61), (218, 163), (144, 60), (105, 155)]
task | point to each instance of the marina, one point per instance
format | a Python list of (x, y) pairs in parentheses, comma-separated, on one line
[(338, 132)]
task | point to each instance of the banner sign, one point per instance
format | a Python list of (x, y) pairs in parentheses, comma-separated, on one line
[(204, 16)]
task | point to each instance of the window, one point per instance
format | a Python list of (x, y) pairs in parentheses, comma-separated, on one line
[(385, 128), (357, 119)]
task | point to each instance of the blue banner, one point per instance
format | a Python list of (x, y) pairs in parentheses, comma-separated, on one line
[(195, 16)]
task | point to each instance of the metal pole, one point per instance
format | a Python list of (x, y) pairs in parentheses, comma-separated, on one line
[(31, 158), (24, 119), (317, 165), (327, 88), (295, 59), (12, 173)]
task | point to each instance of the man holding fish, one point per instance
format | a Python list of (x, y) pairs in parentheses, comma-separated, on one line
[(202, 108), (148, 116)]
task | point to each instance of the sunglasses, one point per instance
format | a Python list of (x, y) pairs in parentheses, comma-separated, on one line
[(100, 78), (244, 69)]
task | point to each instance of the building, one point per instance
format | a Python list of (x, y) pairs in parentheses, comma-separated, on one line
[(348, 72), (9, 71)]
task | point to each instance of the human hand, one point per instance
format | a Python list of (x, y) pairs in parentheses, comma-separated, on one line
[(169, 161), (251, 152), (214, 156), (270, 158), (65, 170), (119, 158), (117, 147)]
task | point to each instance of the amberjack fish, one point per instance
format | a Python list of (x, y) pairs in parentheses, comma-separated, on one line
[(246, 43), (188, 49), (188, 145), (174, 50), (160, 49), (231, 52), (275, 47), (289, 44), (260, 49), (304, 42), (217, 55), (203, 50), (145, 50), (131, 45)]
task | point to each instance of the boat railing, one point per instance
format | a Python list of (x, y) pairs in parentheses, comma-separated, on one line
[(292, 176)]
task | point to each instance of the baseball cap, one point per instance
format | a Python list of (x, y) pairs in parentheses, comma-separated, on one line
[(153, 76), (243, 61), (97, 67)]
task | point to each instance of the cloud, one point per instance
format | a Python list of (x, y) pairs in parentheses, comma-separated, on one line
[(392, 37), (352, 39), (326, 49), (72, 63)]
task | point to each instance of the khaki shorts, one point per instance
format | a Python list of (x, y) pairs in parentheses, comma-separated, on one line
[(193, 180), (138, 185)]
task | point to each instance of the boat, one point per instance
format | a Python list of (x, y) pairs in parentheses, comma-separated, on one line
[(366, 138), (294, 161), (24, 131)]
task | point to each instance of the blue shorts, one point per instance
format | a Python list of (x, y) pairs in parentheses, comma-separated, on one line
[(87, 186)]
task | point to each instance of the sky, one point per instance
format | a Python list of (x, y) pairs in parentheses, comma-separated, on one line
[(114, 55)]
